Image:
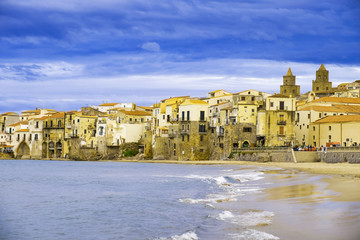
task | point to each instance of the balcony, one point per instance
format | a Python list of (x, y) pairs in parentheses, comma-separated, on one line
[(281, 122), (184, 132), (172, 135)]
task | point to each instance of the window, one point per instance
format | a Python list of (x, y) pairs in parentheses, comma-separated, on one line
[(183, 138), (84, 131), (252, 110), (300, 127), (317, 88), (131, 119), (202, 115), (174, 145), (188, 115), (271, 104), (36, 124), (201, 150), (247, 129), (329, 128), (36, 137), (281, 130), (188, 138), (309, 116), (59, 123), (313, 128), (201, 138), (242, 98), (183, 115), (329, 137), (202, 128), (282, 105), (313, 137), (319, 115), (78, 120)]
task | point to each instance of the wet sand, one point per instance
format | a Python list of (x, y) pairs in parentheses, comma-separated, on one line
[(343, 180)]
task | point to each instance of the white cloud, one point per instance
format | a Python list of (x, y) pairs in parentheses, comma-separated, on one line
[(151, 46)]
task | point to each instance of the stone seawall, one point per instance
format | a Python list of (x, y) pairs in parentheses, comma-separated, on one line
[(277, 155), (340, 157)]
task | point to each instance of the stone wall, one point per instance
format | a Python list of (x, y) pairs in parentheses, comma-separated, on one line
[(340, 157)]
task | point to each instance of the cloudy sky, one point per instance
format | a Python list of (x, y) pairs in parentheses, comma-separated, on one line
[(72, 53)]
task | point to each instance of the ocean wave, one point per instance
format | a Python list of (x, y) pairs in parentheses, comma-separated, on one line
[(191, 235), (213, 198), (251, 234), (249, 219)]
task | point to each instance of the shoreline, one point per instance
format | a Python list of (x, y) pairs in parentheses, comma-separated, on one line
[(337, 169)]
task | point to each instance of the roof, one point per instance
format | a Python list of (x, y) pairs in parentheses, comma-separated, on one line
[(338, 100), (136, 113), (322, 67), (277, 95), (10, 113), (19, 123), (289, 73), (334, 108), (149, 108), (22, 130), (57, 115), (108, 104), (32, 111), (193, 102), (339, 119)]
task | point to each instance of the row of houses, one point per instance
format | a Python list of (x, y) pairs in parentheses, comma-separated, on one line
[(188, 128)]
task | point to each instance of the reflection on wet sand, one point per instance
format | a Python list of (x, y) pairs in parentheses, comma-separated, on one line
[(301, 192)]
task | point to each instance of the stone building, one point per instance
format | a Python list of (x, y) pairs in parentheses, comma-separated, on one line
[(289, 87), (280, 120), (321, 86)]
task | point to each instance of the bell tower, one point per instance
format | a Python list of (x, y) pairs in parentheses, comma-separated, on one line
[(289, 87), (321, 84)]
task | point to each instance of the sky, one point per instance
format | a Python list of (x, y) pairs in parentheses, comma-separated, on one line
[(72, 53)]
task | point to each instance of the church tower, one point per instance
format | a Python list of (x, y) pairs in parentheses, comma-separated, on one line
[(322, 86), (289, 87)]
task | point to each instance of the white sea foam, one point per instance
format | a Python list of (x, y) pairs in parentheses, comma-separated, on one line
[(248, 219), (185, 236), (212, 198), (251, 234)]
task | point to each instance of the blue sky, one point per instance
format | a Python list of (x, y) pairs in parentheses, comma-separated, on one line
[(72, 53)]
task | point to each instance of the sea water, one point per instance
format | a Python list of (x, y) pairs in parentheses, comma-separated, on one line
[(117, 200)]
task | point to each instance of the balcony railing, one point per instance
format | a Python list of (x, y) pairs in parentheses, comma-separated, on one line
[(185, 131), (281, 122)]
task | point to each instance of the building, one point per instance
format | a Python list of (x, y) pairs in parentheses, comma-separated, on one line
[(280, 120), (321, 86), (289, 87), (337, 130)]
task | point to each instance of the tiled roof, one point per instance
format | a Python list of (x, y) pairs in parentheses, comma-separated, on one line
[(194, 102), (277, 95), (108, 104), (22, 130), (334, 108), (339, 119), (338, 100), (149, 108), (136, 113), (31, 111), (18, 123), (10, 113)]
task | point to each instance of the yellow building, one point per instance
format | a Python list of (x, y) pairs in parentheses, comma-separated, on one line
[(289, 87), (321, 85), (53, 136), (342, 129), (280, 120)]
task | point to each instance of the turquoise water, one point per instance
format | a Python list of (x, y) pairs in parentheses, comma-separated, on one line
[(114, 200)]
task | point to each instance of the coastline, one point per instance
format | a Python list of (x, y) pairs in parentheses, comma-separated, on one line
[(339, 169)]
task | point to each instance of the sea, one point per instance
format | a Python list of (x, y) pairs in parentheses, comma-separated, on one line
[(121, 200)]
